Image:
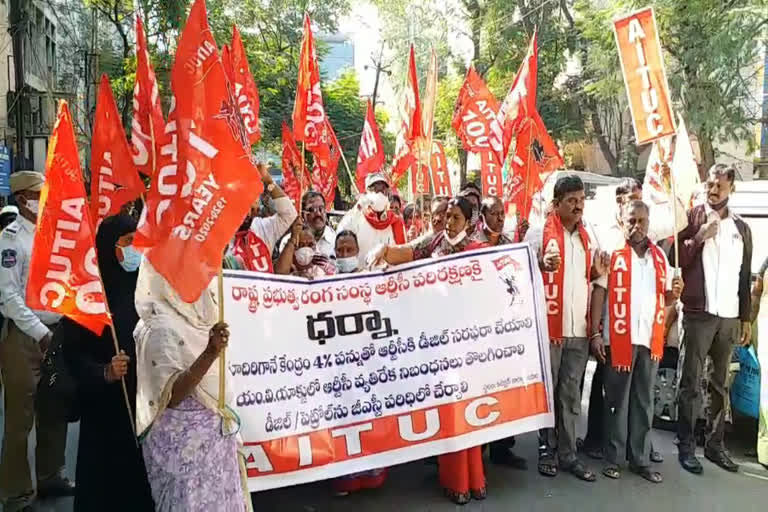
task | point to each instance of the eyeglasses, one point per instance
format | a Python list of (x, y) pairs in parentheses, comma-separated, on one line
[(314, 209)]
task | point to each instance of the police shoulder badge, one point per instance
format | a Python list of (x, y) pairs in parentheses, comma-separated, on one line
[(8, 258)]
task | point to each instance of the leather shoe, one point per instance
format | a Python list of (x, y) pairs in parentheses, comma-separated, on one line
[(721, 458), (55, 487), (690, 463)]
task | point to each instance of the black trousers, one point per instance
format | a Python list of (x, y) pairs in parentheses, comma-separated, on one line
[(595, 437)]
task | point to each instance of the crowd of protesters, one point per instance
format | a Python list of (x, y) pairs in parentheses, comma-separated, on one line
[(611, 291)]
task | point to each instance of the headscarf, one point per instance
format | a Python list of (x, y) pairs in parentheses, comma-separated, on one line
[(119, 285), (170, 336)]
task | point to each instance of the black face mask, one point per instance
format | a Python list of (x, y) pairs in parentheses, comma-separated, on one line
[(719, 206)]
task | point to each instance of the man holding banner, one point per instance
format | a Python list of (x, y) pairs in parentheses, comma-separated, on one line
[(25, 339)]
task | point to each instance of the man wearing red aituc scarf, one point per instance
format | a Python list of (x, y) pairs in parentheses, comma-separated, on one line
[(372, 220), (639, 286), (569, 262)]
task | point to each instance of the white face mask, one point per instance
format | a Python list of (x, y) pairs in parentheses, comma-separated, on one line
[(33, 205), (304, 256), (346, 265), (487, 228), (455, 241), (378, 201)]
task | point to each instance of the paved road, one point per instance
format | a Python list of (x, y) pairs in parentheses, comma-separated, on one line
[(413, 487)]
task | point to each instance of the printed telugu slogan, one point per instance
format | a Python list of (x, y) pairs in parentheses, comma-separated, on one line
[(369, 370)]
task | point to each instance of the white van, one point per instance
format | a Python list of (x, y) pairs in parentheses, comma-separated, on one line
[(750, 201)]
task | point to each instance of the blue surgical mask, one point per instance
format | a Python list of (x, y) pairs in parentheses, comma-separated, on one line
[(131, 259), (346, 265)]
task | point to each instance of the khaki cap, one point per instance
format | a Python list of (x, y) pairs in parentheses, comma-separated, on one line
[(26, 180)]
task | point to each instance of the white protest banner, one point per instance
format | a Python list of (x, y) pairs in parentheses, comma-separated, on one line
[(363, 371)]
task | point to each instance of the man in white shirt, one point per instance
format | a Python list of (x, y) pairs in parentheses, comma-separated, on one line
[(638, 286), (661, 222), (25, 339), (715, 257), (254, 242), (372, 220), (569, 262)]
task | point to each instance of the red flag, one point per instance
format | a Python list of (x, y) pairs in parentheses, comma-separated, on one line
[(411, 128), (536, 156), (309, 117), (490, 174), (324, 172), (210, 182), (226, 61), (246, 92), (440, 177), (114, 179), (293, 179), (519, 104), (370, 157), (148, 126), (63, 272), (475, 111)]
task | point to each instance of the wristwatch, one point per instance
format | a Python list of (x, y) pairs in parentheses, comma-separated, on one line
[(271, 186)]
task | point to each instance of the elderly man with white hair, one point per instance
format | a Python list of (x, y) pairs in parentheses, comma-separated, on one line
[(372, 220)]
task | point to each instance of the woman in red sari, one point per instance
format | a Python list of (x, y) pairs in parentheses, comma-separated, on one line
[(462, 476)]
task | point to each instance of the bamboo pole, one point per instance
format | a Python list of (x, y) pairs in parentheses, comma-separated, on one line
[(223, 353), (349, 173), (673, 191), (122, 379), (301, 180)]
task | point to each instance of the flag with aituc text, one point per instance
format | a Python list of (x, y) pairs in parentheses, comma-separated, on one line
[(309, 117), (325, 175), (209, 183), (114, 179), (243, 84), (475, 110), (63, 270), (148, 124), (370, 156)]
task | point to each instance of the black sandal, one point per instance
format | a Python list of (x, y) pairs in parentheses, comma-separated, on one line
[(580, 471), (547, 465), (612, 471), (652, 476)]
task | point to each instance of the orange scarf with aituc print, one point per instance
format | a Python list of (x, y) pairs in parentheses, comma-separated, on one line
[(554, 236), (620, 306)]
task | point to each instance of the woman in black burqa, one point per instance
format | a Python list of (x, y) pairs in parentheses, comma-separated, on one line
[(110, 468)]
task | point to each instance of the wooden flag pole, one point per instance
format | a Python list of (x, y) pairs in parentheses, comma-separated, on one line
[(223, 353), (349, 173), (674, 216), (301, 180), (122, 379)]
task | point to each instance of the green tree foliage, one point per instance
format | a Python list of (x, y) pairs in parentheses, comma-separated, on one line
[(712, 55)]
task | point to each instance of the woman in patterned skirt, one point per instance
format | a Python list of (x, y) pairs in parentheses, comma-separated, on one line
[(189, 445)]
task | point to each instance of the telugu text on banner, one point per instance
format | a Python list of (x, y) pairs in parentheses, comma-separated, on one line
[(362, 371)]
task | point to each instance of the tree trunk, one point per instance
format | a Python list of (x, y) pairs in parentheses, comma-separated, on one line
[(602, 141), (707, 154), (462, 167)]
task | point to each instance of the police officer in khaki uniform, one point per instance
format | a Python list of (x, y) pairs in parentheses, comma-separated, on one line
[(25, 338)]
